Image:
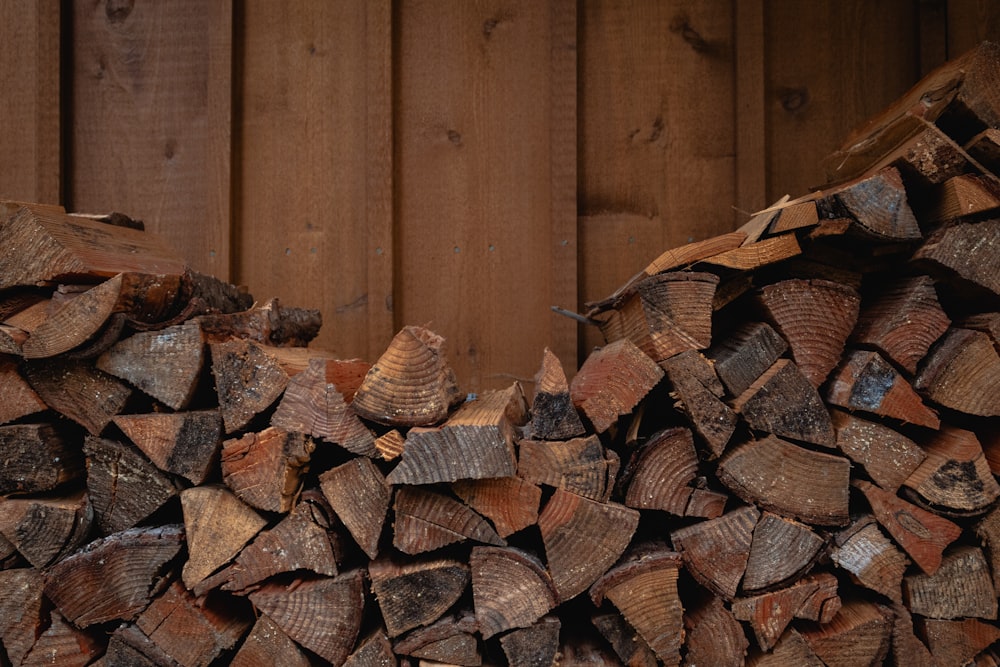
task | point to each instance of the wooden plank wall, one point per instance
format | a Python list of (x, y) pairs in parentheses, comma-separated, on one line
[(459, 164)]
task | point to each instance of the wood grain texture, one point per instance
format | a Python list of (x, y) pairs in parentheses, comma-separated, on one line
[(30, 115), (314, 174), (485, 180), (150, 120), (815, 96)]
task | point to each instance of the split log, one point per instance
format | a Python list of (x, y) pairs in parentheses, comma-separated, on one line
[(938, 595), (373, 651), (113, 577), (699, 390), (572, 525), (20, 400), (790, 651), (183, 443), (715, 552), (958, 642), (44, 246), (553, 416), (510, 589), (390, 445), (706, 503), (887, 456), (477, 442), (46, 529), (902, 321), (217, 525), (165, 364), (988, 530), (713, 635), (872, 559), (666, 314), (265, 469), (247, 381), (783, 402), (301, 541), (922, 534), (815, 317), (662, 472), (359, 495), (417, 592), (509, 502), (37, 458), (611, 383), (130, 647), (865, 381), (20, 611), (411, 384), (580, 465), (789, 480), (625, 641), (193, 631), (644, 588), (858, 635), (879, 207), (268, 645), (64, 645), (966, 251), (268, 324), (78, 391), (426, 520), (534, 646), (745, 353), (769, 614), (955, 475), (962, 372), (323, 615), (124, 487), (782, 550), (316, 407), (964, 196), (759, 254), (450, 640), (907, 649)]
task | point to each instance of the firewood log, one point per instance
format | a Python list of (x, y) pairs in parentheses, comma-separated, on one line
[(417, 592)]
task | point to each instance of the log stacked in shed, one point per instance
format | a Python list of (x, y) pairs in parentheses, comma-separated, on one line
[(784, 455)]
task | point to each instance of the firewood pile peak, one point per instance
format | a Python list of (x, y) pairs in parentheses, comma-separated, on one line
[(784, 455)]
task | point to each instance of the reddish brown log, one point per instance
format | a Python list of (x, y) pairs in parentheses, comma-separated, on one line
[(699, 391), (411, 384), (888, 456), (580, 465), (611, 383), (955, 475), (510, 589), (572, 525), (20, 400), (359, 495), (988, 530), (182, 443), (858, 635), (879, 207), (789, 480), (790, 651), (871, 558), (781, 550), (78, 391), (268, 645), (814, 598), (416, 592), (714, 636), (966, 251), (509, 502), (937, 595), (625, 641), (373, 651), (865, 381), (314, 406), (758, 254), (964, 196), (477, 442), (46, 529), (958, 642), (426, 521), (114, 577), (782, 402), (553, 416), (268, 324), (922, 534), (534, 646), (450, 640), (20, 611), (907, 649), (265, 469), (962, 372), (745, 353), (323, 615), (815, 317), (247, 381), (37, 458), (715, 552), (64, 645), (662, 472)]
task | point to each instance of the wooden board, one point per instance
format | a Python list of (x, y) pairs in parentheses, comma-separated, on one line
[(485, 191), (30, 115), (313, 140), (831, 65), (150, 125)]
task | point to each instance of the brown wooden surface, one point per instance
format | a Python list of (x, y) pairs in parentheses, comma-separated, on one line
[(258, 138)]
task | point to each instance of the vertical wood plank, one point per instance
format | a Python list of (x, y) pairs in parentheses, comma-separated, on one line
[(314, 187), (151, 118), (751, 156), (658, 164), (30, 114), (485, 240), (831, 65), (970, 22)]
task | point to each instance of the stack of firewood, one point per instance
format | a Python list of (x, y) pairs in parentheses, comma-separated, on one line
[(784, 455)]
